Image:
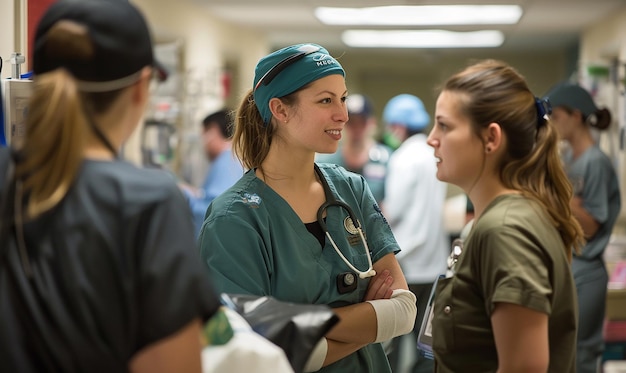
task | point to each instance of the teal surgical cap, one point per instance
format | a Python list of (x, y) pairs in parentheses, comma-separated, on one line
[(292, 68)]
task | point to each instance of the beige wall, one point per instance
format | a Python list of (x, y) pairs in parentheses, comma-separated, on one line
[(208, 48), (12, 32), (420, 73)]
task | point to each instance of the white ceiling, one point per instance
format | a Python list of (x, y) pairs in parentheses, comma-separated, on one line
[(545, 24)]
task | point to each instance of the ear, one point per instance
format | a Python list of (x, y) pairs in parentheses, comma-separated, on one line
[(141, 90), (279, 109), (578, 114), (493, 137)]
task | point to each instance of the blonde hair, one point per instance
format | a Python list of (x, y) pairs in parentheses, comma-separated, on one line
[(495, 92), (58, 122), (53, 147)]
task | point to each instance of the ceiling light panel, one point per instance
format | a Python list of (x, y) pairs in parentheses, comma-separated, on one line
[(422, 39), (423, 15)]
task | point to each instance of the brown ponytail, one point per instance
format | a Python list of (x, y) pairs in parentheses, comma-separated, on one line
[(498, 93), (602, 119), (252, 138)]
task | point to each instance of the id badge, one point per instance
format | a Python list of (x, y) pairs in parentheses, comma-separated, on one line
[(425, 337)]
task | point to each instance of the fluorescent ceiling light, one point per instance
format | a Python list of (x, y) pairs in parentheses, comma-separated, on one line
[(421, 39), (425, 15)]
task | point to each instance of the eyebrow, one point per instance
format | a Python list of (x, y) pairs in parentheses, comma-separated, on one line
[(331, 93)]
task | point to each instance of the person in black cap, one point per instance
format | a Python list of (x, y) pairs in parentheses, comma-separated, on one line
[(596, 205), (99, 270), (359, 152)]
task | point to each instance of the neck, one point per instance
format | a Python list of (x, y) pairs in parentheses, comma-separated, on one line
[(95, 149), (580, 142), (485, 192), (287, 170)]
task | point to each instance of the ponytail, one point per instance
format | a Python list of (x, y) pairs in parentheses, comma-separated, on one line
[(495, 92), (601, 119), (53, 147), (540, 176), (252, 138)]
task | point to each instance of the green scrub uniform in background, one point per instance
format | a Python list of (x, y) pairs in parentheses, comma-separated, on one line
[(254, 243)]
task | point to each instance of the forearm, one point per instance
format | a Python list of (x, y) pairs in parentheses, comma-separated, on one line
[(382, 320), (338, 350), (357, 324)]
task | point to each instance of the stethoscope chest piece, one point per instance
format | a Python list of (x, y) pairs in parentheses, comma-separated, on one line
[(349, 225), (347, 282)]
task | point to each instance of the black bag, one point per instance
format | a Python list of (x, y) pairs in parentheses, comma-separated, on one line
[(296, 328)]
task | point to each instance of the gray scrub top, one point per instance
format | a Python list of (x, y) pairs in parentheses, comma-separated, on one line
[(254, 243), (595, 182)]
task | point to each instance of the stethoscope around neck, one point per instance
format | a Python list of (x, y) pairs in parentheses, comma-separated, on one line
[(332, 201)]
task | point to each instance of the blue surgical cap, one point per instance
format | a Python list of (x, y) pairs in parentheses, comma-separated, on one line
[(311, 67)]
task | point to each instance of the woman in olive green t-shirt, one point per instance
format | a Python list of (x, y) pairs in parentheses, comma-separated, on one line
[(508, 302)]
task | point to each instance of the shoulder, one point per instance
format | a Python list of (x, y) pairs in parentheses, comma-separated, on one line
[(516, 215), (598, 160), (120, 181), (509, 210), (244, 197), (337, 174)]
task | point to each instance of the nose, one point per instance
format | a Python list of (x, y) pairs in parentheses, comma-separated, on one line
[(431, 140), (342, 113)]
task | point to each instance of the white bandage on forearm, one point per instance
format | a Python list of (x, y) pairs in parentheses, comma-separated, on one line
[(395, 316), (317, 357)]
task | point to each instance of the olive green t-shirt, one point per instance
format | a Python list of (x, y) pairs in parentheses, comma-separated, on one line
[(513, 254)]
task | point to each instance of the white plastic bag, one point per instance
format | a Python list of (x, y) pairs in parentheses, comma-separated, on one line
[(246, 351)]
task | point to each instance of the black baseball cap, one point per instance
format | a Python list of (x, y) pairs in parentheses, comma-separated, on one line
[(572, 96), (121, 45)]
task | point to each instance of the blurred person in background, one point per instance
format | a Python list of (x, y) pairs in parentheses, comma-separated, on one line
[(359, 152), (596, 204), (414, 207), (224, 168), (99, 269)]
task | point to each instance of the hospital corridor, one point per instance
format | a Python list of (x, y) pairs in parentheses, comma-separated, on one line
[(290, 186)]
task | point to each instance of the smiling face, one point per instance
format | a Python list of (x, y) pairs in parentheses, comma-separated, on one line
[(315, 123), (459, 152)]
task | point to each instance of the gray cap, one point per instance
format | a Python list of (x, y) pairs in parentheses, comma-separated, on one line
[(572, 96)]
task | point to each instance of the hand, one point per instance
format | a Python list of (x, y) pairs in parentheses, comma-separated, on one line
[(379, 286)]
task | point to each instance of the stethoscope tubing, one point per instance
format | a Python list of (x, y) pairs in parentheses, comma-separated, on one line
[(331, 200)]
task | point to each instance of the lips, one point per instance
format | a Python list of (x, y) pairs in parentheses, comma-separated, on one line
[(334, 134)]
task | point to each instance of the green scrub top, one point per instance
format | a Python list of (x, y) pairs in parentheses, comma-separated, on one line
[(254, 243), (513, 254)]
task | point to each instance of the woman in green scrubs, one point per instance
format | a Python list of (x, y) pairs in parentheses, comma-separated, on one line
[(265, 235)]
